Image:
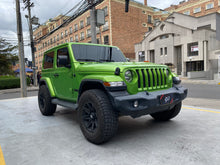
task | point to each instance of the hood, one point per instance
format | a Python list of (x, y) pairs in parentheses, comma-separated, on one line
[(111, 66)]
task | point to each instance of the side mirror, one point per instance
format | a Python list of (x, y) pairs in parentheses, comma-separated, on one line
[(128, 59), (63, 61)]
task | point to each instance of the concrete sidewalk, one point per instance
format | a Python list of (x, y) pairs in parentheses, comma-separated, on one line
[(15, 90), (195, 81)]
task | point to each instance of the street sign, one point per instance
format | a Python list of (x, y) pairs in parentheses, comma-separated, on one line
[(100, 17)]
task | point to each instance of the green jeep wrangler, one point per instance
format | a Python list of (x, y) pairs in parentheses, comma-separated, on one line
[(99, 82)]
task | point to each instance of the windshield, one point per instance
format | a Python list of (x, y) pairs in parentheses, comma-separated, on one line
[(97, 53)]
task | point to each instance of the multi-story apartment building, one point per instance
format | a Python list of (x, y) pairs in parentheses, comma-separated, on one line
[(195, 8), (120, 29), (189, 45)]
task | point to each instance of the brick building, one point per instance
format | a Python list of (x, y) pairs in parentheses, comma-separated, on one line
[(121, 29), (195, 8)]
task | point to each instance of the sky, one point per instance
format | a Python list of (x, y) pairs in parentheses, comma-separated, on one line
[(44, 10)]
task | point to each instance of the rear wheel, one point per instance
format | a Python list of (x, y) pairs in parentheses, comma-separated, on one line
[(169, 114), (98, 120), (44, 102)]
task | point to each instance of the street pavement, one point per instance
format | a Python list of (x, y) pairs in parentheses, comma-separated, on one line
[(27, 137)]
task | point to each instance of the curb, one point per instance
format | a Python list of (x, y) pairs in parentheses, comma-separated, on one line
[(15, 90)]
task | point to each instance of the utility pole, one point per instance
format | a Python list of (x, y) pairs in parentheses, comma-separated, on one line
[(21, 51), (28, 5), (93, 21)]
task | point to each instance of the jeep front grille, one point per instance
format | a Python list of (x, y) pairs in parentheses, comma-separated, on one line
[(153, 78)]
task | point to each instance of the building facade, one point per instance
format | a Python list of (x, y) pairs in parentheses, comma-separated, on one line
[(195, 8), (120, 29), (189, 45)]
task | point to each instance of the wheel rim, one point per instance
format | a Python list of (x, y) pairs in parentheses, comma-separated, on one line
[(42, 101), (89, 117)]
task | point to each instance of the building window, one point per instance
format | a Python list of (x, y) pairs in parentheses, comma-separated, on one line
[(106, 40), (106, 10), (58, 37), (76, 38), (71, 30), (186, 12), (81, 24), (88, 21), (66, 40), (209, 6), (66, 33), (164, 36), (149, 29), (193, 49), (88, 33), (197, 10), (97, 41), (54, 39), (161, 51), (51, 41), (105, 26), (141, 56), (149, 19), (82, 36), (71, 39), (75, 27), (165, 50), (61, 35)]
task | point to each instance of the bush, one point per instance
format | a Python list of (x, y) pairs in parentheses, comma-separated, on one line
[(7, 82)]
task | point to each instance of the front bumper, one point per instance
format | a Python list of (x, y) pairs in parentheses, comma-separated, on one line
[(148, 103)]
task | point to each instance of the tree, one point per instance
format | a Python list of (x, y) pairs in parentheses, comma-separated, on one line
[(8, 55)]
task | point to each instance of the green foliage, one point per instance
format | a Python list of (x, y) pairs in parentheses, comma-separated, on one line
[(7, 56), (7, 82)]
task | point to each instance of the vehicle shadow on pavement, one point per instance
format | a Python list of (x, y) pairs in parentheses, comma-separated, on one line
[(130, 129)]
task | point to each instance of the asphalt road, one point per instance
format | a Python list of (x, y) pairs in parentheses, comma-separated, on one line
[(27, 137), (203, 91)]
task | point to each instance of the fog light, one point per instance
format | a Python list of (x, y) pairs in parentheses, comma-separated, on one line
[(136, 104)]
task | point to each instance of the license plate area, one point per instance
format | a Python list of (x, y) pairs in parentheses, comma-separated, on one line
[(166, 99)]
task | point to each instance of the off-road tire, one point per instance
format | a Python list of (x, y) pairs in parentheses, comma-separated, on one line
[(44, 102), (169, 114), (95, 110)]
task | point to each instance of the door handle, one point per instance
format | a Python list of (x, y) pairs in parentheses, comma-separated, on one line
[(56, 75)]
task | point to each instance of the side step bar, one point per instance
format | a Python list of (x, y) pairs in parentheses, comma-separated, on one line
[(65, 103)]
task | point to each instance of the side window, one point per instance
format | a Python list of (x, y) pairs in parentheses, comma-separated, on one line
[(63, 57), (48, 60)]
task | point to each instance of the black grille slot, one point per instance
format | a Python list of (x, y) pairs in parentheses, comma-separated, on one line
[(165, 76), (158, 82), (148, 76), (144, 80), (161, 76), (139, 80), (151, 70)]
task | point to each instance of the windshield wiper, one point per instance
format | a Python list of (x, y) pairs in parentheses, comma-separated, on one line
[(86, 60)]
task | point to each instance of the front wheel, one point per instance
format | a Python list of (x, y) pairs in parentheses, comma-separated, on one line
[(98, 121), (169, 114), (44, 102)]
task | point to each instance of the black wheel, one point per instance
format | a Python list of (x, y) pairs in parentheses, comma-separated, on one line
[(44, 102), (169, 114), (98, 121)]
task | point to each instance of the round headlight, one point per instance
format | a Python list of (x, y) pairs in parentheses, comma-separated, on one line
[(128, 76)]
